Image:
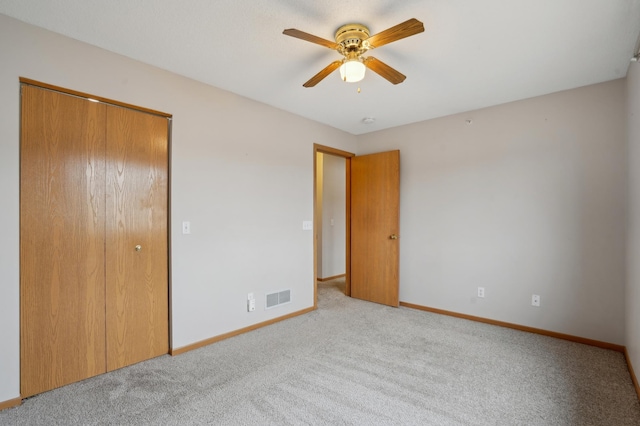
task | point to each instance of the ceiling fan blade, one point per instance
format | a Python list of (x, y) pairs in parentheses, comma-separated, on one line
[(322, 74), (400, 31), (310, 37), (384, 70)]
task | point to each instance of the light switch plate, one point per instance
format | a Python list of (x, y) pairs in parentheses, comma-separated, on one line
[(186, 227), (307, 225)]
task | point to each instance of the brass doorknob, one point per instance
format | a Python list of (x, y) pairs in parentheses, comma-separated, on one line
[(393, 237), (138, 247)]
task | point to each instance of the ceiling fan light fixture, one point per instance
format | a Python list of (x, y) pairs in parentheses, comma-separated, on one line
[(352, 42), (352, 70)]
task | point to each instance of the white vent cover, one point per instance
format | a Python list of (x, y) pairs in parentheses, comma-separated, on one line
[(278, 298)]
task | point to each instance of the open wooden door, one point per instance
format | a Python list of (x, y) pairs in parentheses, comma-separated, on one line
[(375, 207)]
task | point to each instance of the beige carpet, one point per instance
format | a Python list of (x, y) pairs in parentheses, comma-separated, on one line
[(353, 362)]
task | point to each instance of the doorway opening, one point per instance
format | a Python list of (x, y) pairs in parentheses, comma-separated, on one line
[(331, 199), (372, 213)]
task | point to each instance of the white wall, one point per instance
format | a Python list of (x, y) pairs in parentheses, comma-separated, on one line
[(633, 255), (242, 173), (528, 198), (333, 216), (318, 221)]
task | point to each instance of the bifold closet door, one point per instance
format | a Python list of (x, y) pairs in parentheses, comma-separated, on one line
[(62, 275), (93, 238), (137, 299)]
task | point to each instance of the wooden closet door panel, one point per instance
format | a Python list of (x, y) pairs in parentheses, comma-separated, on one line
[(137, 296), (62, 323)]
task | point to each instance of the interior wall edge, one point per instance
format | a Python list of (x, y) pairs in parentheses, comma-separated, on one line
[(632, 290), (331, 278), (214, 339), (10, 403), (634, 378), (549, 333)]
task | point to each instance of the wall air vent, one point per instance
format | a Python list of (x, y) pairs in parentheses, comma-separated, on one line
[(278, 298)]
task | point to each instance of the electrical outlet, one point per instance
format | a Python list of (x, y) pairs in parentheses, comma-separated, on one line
[(535, 300), (480, 291)]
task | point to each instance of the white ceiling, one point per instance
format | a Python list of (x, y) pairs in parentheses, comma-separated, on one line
[(473, 54)]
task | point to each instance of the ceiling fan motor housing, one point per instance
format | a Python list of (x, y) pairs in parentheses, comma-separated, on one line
[(351, 38)]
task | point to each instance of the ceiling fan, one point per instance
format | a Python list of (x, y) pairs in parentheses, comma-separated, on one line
[(352, 41)]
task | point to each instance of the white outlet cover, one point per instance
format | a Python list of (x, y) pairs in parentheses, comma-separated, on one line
[(535, 300)]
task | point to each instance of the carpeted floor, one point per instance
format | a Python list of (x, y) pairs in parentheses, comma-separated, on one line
[(353, 362)]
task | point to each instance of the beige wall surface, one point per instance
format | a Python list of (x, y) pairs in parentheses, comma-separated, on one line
[(523, 198), (333, 217), (529, 197), (633, 255), (241, 173)]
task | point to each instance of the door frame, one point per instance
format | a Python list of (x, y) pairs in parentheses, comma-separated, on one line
[(347, 156)]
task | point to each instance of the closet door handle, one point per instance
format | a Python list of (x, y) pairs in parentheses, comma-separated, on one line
[(138, 247), (393, 237)]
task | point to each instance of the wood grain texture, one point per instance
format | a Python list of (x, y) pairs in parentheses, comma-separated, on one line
[(62, 173), (375, 205), (395, 33), (384, 70), (137, 299), (333, 151), (322, 74), (28, 81), (10, 403), (292, 32)]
